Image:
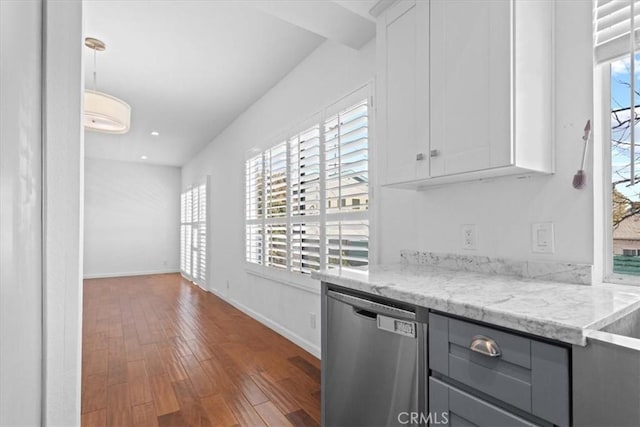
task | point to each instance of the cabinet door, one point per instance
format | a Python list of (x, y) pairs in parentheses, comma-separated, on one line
[(403, 65), (470, 83)]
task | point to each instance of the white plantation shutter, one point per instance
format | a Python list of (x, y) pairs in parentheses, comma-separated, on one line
[(253, 244), (187, 251), (276, 179), (254, 209), (276, 238), (189, 207), (254, 188), (304, 172), (347, 186), (195, 264), (193, 234), (202, 234), (307, 198), (347, 159), (348, 244), (183, 248), (188, 233), (195, 205), (183, 232), (612, 28), (305, 247)]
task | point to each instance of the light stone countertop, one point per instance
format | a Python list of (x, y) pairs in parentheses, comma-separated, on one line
[(554, 310)]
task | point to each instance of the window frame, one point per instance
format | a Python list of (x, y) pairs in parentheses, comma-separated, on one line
[(615, 37), (603, 202), (364, 92)]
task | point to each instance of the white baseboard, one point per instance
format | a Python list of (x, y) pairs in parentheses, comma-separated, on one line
[(128, 273), (295, 338)]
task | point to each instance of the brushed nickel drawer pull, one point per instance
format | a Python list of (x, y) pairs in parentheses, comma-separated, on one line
[(486, 346)]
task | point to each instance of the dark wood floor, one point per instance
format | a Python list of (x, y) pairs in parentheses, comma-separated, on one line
[(159, 351)]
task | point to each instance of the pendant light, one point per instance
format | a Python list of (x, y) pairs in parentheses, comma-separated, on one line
[(102, 112)]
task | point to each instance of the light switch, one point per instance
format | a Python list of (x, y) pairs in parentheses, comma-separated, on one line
[(542, 238)]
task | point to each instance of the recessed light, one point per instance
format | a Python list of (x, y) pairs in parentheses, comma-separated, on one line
[(144, 157), (154, 133)]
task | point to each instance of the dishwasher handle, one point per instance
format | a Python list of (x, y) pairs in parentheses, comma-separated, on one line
[(372, 306), (365, 313)]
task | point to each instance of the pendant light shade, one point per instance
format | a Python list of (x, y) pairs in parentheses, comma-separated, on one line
[(106, 113), (102, 112)]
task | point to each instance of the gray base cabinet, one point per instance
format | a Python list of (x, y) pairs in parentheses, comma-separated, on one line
[(518, 372)]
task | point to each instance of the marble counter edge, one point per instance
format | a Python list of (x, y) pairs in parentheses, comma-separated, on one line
[(507, 319)]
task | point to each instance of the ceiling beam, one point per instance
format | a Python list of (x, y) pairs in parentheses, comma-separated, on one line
[(323, 17)]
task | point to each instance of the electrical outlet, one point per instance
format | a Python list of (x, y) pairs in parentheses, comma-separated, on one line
[(469, 239), (312, 320), (542, 239), (227, 284)]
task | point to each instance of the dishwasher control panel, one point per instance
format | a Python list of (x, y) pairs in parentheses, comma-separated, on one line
[(401, 327)]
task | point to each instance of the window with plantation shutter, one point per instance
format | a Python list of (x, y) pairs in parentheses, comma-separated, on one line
[(305, 247), (254, 209), (304, 175), (347, 159), (202, 234), (254, 188), (187, 236), (183, 232), (347, 187), (307, 198), (348, 244), (276, 180), (193, 234), (304, 150), (195, 264), (276, 236), (187, 251), (253, 243), (612, 32)]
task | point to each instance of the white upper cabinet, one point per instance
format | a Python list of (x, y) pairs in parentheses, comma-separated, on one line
[(470, 97), (465, 90), (403, 76)]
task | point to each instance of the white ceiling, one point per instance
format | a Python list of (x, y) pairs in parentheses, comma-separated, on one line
[(188, 68)]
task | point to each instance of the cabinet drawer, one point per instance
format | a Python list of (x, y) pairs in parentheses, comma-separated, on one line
[(528, 374), (452, 407)]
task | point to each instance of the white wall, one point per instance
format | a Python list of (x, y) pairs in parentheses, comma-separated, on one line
[(327, 74), (132, 218), (503, 210), (62, 209), (20, 214)]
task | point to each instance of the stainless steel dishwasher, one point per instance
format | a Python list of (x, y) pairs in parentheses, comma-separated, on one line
[(373, 361)]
